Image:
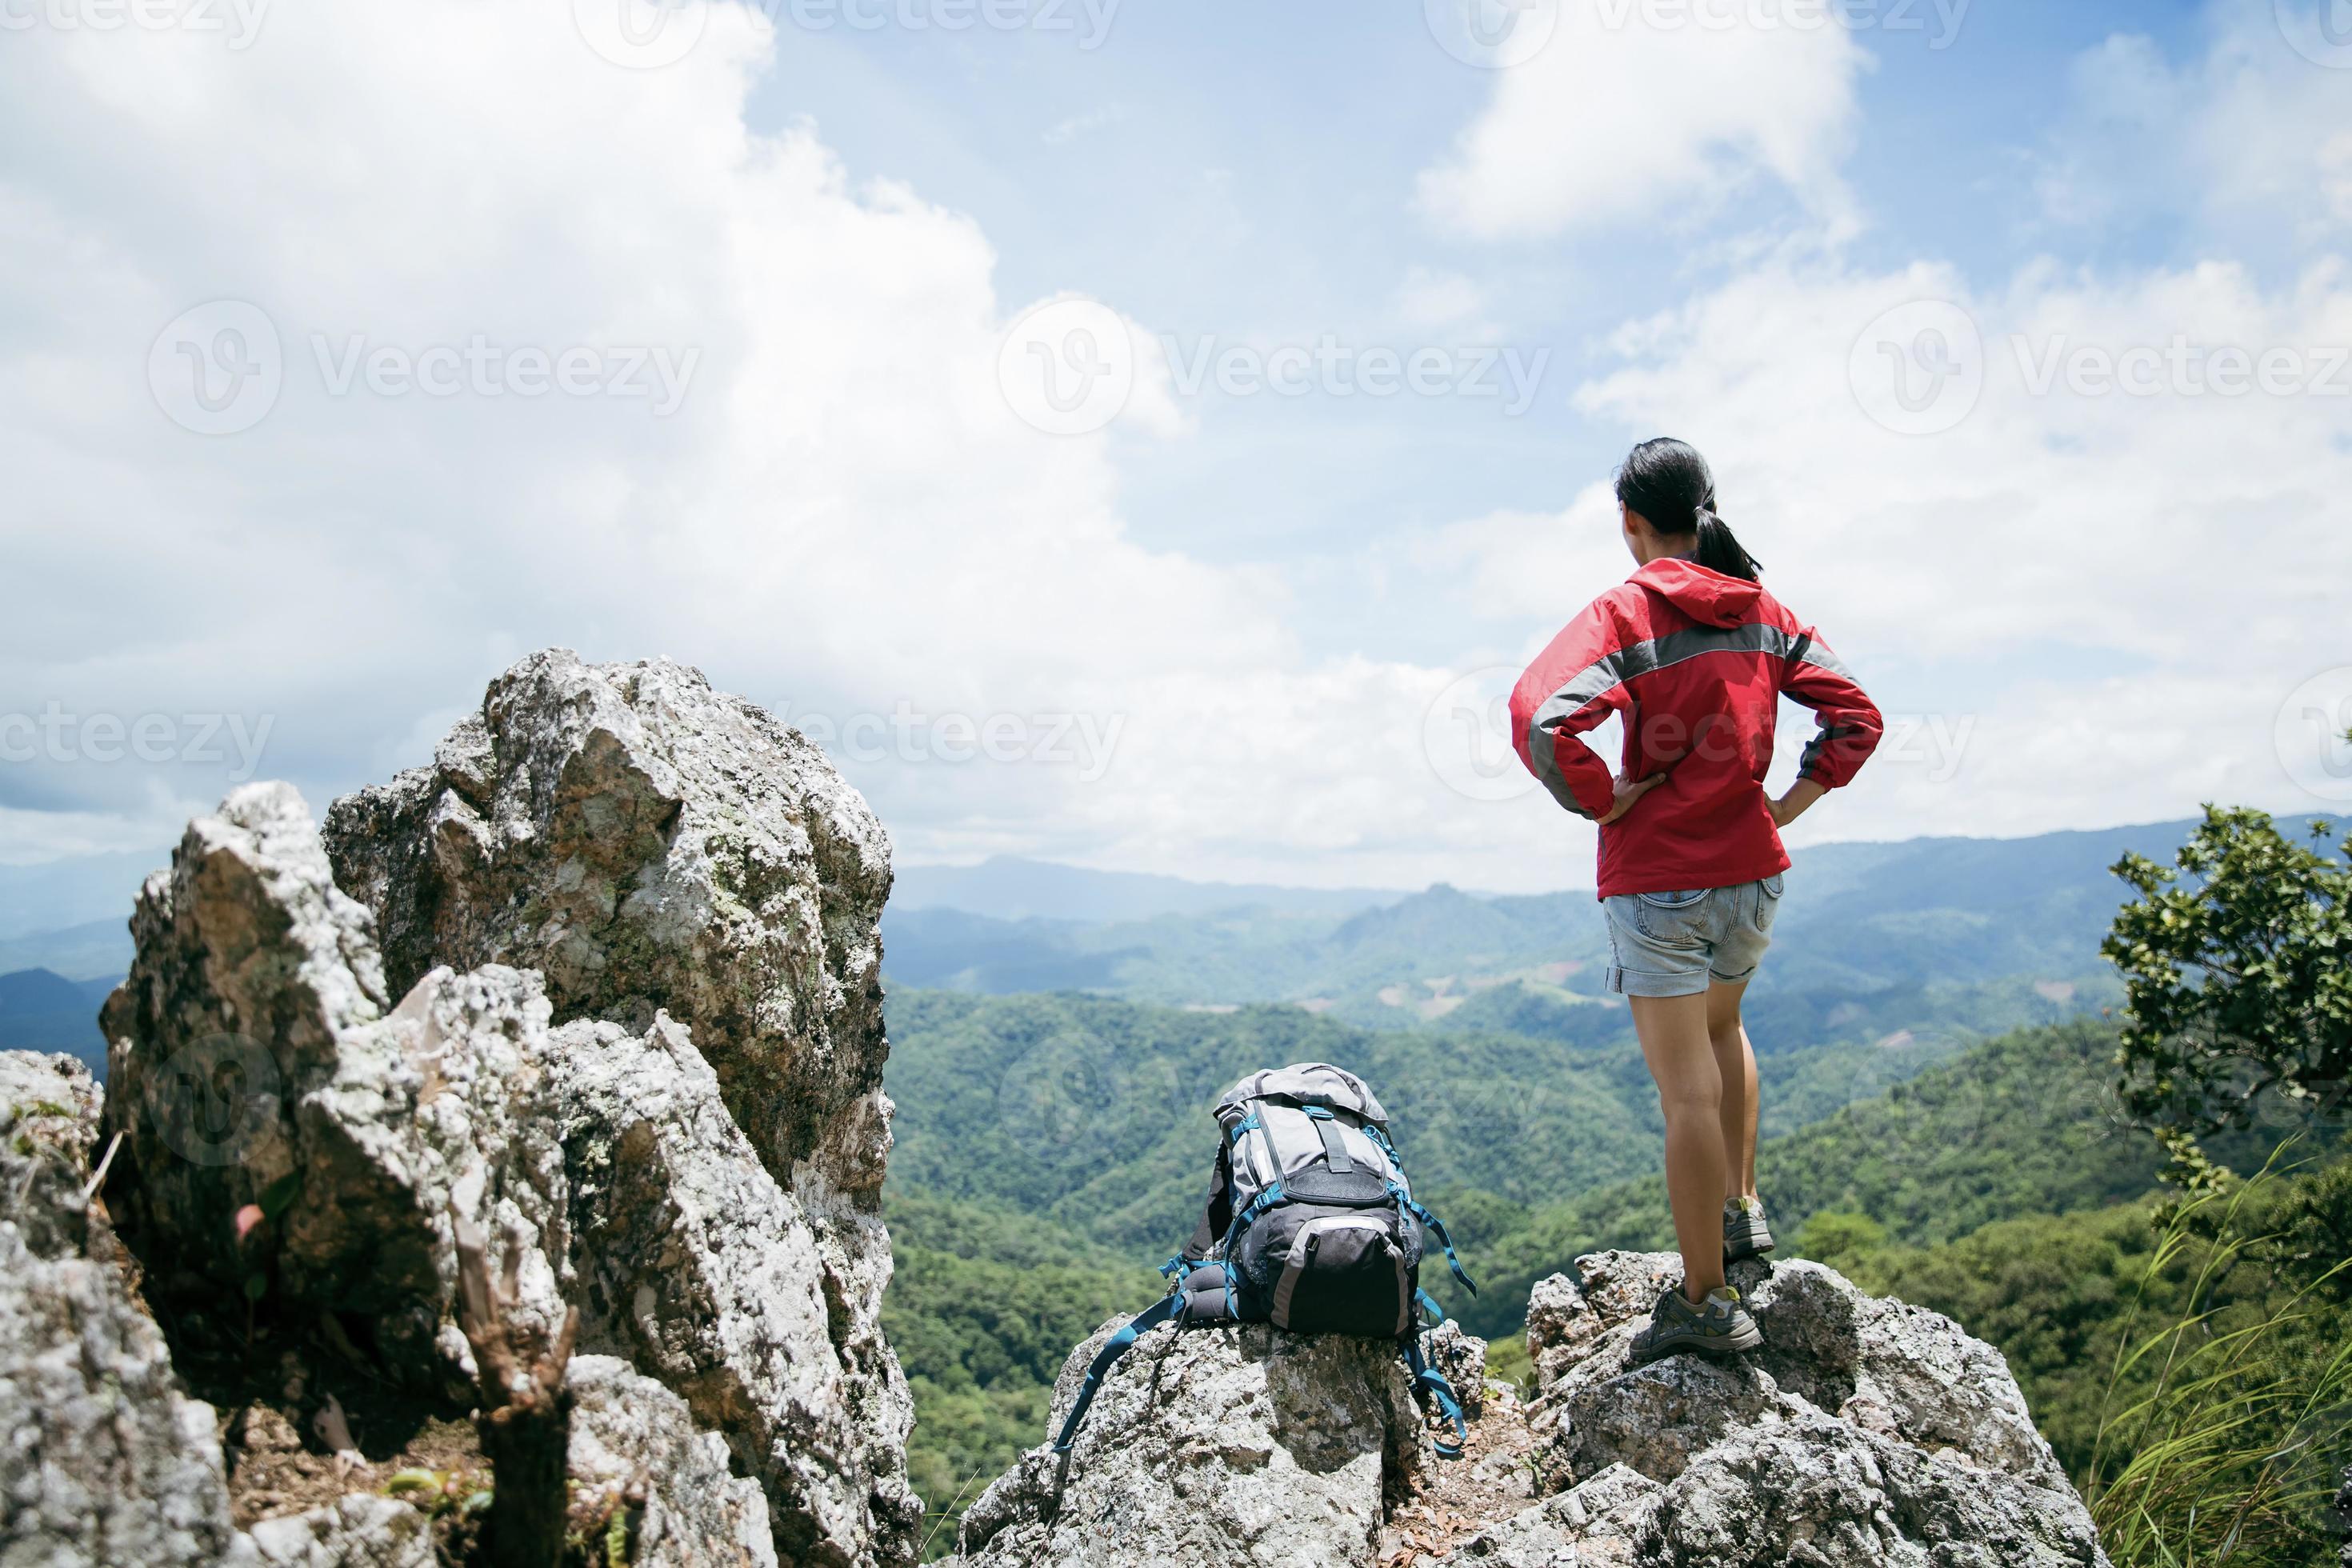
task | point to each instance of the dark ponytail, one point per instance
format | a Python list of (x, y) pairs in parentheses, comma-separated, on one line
[(1668, 485)]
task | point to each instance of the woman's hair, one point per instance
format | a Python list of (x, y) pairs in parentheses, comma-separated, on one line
[(1669, 484)]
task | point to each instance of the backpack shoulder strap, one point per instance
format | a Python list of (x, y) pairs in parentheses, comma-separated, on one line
[(1119, 1344), (1427, 1379)]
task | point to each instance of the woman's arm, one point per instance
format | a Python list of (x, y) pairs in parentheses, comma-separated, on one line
[(1792, 805)]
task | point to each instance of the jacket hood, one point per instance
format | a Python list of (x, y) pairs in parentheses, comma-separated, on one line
[(1708, 597)]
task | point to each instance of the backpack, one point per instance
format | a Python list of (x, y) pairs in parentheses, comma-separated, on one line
[(1309, 1226)]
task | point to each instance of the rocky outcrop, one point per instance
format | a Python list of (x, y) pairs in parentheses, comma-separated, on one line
[(1867, 1432), (701, 892), (1874, 1432), (607, 869), (288, 1137), (103, 1458), (1236, 1446), (697, 1267), (636, 1450), (646, 842), (361, 1530)]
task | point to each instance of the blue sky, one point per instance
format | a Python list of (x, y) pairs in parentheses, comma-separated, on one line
[(1277, 624)]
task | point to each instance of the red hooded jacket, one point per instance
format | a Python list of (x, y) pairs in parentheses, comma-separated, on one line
[(1696, 662)]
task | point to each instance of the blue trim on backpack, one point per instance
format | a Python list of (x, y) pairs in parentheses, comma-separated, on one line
[(1436, 1227), (1242, 1221), (1429, 1304), (1431, 1381), (1120, 1342)]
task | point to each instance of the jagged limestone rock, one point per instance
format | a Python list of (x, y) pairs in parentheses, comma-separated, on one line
[(1590, 1526), (1866, 1433), (49, 1109), (104, 1460), (1235, 1446), (1883, 1364), (254, 1063), (1460, 1356), (653, 846), (632, 1435), (698, 1269), (357, 1131), (1870, 1430), (647, 842), (361, 1530)]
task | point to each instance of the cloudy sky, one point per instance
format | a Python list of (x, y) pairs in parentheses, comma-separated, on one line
[(1152, 435)]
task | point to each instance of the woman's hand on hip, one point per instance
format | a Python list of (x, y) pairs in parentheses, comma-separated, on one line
[(1628, 792), (1792, 805)]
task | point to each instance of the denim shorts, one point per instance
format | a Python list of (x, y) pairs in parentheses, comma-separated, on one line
[(1674, 945)]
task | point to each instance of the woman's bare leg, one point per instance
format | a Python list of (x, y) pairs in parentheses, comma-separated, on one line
[(1735, 1062), (1675, 1044)]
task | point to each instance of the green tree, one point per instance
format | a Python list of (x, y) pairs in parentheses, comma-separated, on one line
[(2237, 965)]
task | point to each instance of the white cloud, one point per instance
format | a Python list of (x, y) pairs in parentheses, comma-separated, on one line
[(2246, 142), (1640, 111), (844, 517), (1983, 575)]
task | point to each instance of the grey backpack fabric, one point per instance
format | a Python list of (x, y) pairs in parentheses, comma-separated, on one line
[(1309, 1226), (1319, 1232)]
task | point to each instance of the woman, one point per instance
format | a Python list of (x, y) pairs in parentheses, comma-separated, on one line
[(1695, 655)]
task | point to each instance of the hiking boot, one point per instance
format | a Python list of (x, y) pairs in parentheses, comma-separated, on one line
[(1745, 1234), (1719, 1328)]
